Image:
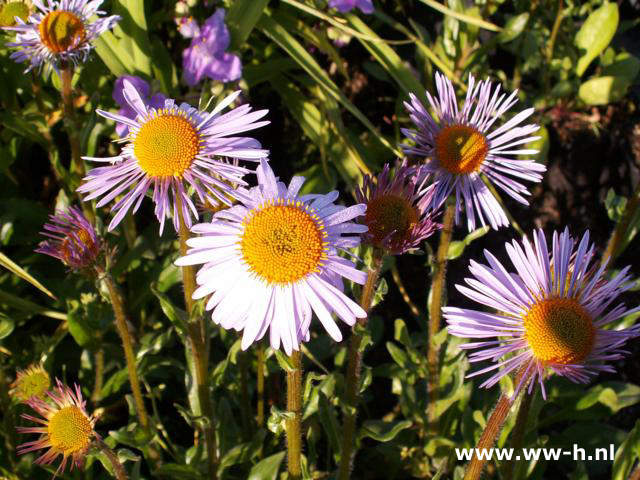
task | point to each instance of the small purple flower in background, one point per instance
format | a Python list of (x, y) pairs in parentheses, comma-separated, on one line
[(344, 6), (188, 27), (72, 239), (155, 101), (207, 56)]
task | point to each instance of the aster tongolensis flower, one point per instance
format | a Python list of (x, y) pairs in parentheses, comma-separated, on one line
[(171, 150), (399, 210), (273, 258), (10, 9), (554, 312), (60, 31), (461, 145), (34, 381), (72, 239), (67, 428)]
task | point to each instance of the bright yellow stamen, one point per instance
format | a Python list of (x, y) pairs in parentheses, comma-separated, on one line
[(559, 330), (69, 430), (390, 213), (166, 145), (61, 30), (10, 10), (461, 149), (282, 243)]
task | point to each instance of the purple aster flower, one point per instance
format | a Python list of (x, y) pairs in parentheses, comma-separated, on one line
[(399, 214), (207, 56), (462, 145), (71, 238), (170, 150), (554, 312), (273, 259), (156, 101), (366, 6), (59, 31)]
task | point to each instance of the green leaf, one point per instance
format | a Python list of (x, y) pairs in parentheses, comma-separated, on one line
[(284, 361), (268, 468), (596, 33), (29, 307), (329, 422), (603, 90), (115, 56), (382, 431), (16, 269), (134, 24), (398, 355), (176, 315), (513, 28), (242, 18), (627, 454), (6, 326), (624, 66), (461, 16), (457, 247), (175, 470), (79, 326)]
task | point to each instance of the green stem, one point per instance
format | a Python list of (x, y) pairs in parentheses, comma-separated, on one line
[(260, 384), (619, 234), (517, 436), (435, 315), (552, 41), (198, 343), (397, 279), (118, 469), (294, 408), (127, 345), (66, 75), (98, 359), (494, 426), (353, 370)]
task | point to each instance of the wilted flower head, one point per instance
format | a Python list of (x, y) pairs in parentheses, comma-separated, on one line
[(170, 150), (10, 9), (67, 428), (71, 238), (154, 101), (462, 145), (207, 55), (347, 5), (554, 312), (59, 31), (399, 213), (271, 260), (34, 381)]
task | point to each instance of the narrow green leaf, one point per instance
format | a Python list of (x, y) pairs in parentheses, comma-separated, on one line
[(457, 247), (268, 468), (29, 307), (134, 25), (115, 57), (382, 431), (627, 454), (284, 361), (242, 18), (176, 315), (329, 421), (596, 33), (461, 16), (16, 269)]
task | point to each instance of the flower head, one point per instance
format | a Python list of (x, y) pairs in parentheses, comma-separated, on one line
[(366, 6), (59, 31), (271, 260), (462, 145), (67, 428), (170, 150), (34, 381), (71, 238), (554, 313), (11, 9), (399, 214), (154, 101), (207, 55), (188, 27)]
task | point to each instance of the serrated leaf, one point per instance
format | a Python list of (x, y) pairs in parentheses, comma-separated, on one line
[(382, 431), (596, 33), (268, 468)]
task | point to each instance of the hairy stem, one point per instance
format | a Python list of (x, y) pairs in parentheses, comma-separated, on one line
[(435, 315), (127, 345), (260, 384), (118, 468), (517, 436), (77, 164), (294, 408), (613, 247), (353, 371), (198, 348), (494, 426)]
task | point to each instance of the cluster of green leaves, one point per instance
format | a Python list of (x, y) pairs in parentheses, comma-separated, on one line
[(343, 107)]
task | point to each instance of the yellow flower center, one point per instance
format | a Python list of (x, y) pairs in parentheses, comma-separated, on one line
[(283, 243), (559, 330), (166, 145), (61, 30), (10, 10), (390, 213), (461, 149), (33, 384), (69, 430)]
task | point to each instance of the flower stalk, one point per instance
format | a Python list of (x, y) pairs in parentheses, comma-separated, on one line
[(198, 348), (435, 315), (118, 468), (353, 369), (127, 344), (294, 408), (66, 76), (517, 437)]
